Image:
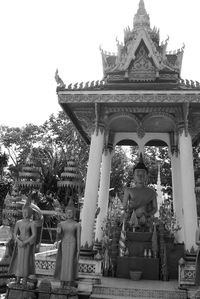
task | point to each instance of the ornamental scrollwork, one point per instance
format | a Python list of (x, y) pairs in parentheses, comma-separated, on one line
[(123, 114), (130, 97), (162, 114)]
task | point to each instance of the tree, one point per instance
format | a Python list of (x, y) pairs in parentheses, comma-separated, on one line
[(4, 184), (64, 139), (51, 145), (17, 143), (120, 170)]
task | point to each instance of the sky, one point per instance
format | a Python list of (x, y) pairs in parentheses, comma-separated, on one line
[(40, 36)]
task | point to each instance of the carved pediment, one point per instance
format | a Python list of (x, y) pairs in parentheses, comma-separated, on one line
[(150, 63), (142, 68)]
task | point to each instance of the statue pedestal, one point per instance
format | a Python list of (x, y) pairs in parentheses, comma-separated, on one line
[(43, 291), (148, 266), (20, 293), (65, 293), (138, 243)]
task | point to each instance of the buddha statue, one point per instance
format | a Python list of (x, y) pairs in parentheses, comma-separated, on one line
[(140, 201), (68, 232), (22, 262)]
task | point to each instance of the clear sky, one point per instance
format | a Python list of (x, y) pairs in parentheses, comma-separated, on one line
[(38, 36)]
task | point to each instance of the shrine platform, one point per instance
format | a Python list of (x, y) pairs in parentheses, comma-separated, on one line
[(119, 288)]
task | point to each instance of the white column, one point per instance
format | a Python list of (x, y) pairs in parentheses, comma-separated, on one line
[(177, 196), (103, 192), (91, 188), (188, 190)]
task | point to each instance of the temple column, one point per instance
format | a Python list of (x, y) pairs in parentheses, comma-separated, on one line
[(188, 190), (91, 188), (103, 192), (177, 195)]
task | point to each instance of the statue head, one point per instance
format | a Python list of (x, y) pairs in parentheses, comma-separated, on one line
[(27, 212), (70, 209), (140, 172)]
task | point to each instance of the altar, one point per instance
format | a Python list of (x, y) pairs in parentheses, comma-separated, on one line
[(148, 266), (139, 257)]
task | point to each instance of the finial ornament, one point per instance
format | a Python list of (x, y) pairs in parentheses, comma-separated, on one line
[(141, 18), (141, 4), (59, 81)]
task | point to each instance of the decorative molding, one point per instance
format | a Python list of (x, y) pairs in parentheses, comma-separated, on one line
[(87, 121), (123, 114), (130, 97), (163, 114), (175, 110), (142, 68), (187, 273), (46, 266), (140, 132)]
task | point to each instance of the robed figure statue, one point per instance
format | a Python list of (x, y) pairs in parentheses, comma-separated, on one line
[(68, 232), (22, 262)]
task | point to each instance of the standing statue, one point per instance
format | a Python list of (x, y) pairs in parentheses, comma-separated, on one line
[(22, 261), (68, 232), (140, 202)]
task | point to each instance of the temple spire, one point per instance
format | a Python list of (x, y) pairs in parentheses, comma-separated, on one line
[(141, 18)]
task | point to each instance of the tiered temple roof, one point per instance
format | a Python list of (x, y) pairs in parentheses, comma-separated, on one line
[(141, 62), (142, 58), (141, 89)]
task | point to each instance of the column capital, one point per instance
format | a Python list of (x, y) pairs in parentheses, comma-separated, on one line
[(183, 125), (108, 149), (174, 143), (97, 127)]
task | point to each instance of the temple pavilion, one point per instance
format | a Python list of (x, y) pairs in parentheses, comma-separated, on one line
[(141, 100)]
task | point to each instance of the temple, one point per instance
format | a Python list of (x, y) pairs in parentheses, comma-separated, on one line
[(141, 100)]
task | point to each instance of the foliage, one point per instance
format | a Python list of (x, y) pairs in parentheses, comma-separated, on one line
[(113, 219), (168, 218), (120, 170), (3, 160), (51, 145)]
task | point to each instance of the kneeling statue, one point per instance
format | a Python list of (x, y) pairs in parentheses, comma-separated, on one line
[(140, 202)]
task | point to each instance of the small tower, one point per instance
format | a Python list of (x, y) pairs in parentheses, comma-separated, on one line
[(70, 185), (29, 177)]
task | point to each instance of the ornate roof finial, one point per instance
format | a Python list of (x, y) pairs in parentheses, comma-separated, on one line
[(59, 81), (141, 18)]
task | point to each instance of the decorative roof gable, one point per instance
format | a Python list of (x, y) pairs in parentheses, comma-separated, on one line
[(141, 57), (142, 66)]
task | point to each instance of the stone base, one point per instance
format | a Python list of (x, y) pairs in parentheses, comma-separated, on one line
[(148, 266), (63, 293), (85, 285), (187, 273), (19, 292), (90, 272)]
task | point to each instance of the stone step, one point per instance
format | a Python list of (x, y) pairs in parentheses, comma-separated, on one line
[(96, 296), (105, 292)]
